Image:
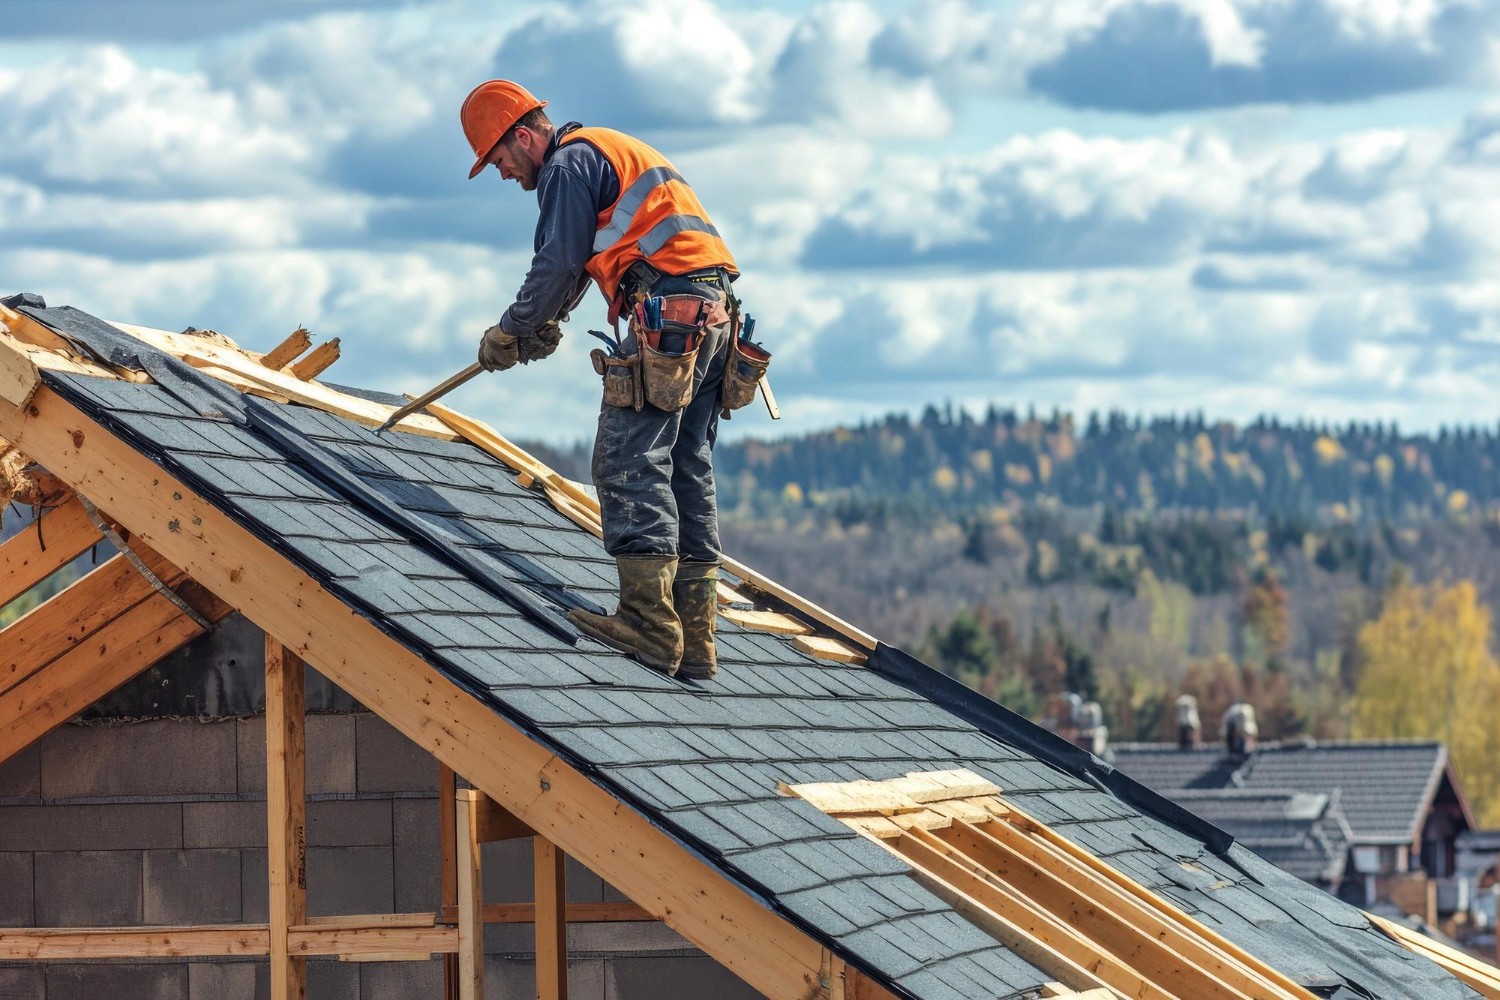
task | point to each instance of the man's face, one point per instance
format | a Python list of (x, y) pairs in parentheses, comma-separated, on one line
[(516, 158)]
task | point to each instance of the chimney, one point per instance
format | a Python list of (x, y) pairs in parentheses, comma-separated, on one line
[(1088, 722), (1189, 727), (1240, 729)]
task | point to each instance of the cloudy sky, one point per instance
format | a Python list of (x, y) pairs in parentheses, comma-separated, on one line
[(1238, 206)]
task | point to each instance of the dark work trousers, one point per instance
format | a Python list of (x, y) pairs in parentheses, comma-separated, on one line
[(653, 469)]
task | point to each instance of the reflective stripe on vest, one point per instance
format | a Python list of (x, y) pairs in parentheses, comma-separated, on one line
[(656, 237), (632, 199)]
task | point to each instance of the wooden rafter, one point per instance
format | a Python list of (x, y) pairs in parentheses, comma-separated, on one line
[(1064, 910), (549, 795), (43, 548), (98, 664)]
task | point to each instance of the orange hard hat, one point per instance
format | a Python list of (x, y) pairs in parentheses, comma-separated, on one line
[(488, 113)]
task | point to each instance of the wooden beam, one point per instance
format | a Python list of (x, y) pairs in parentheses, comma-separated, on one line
[(1478, 975), (285, 352), (43, 548), (1152, 955), (19, 377), (551, 920), (1187, 937), (578, 913), (1013, 926), (549, 795), (286, 819), (317, 362), (95, 666), (470, 898), (824, 648), (87, 605), (354, 937), (766, 621), (448, 866), (497, 822)]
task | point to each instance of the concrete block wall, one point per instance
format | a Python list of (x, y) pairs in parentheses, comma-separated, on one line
[(164, 822)]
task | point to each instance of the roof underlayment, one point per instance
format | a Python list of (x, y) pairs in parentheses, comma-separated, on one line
[(701, 762)]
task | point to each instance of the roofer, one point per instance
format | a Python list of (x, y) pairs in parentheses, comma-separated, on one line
[(615, 211)]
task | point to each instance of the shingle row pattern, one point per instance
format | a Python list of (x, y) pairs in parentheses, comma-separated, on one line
[(705, 760), (1299, 832), (1383, 788)]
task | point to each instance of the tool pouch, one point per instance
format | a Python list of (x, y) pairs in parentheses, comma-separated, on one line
[(668, 355), (743, 371), (622, 381)]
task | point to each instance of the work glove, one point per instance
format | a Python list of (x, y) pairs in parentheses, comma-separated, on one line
[(540, 346), (498, 350)]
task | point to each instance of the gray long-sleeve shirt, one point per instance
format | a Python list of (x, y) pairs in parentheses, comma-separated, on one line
[(575, 183)]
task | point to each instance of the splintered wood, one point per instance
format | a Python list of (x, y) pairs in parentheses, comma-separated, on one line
[(922, 799)]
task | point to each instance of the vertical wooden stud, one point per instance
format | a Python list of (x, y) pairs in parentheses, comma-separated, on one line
[(470, 898), (448, 855), (551, 921), (286, 816)]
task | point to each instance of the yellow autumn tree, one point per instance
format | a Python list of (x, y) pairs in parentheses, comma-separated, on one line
[(1429, 673)]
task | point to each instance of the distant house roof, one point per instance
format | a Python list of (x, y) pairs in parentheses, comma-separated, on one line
[(1385, 788), (701, 762), (1303, 833)]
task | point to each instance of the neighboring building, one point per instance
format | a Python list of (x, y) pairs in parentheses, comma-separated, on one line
[(1399, 801)]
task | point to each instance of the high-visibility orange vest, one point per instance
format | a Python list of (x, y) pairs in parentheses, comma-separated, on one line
[(657, 217)]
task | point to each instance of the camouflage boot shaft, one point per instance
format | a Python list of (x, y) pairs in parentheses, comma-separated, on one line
[(646, 625), (695, 595)]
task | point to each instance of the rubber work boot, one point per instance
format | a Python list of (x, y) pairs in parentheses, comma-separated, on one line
[(695, 593), (646, 625)]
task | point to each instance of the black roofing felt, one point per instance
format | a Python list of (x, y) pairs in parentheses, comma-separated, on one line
[(703, 760)]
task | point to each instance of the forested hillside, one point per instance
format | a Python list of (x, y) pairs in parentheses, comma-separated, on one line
[(1342, 579)]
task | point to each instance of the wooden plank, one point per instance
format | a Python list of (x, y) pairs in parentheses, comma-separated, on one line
[(448, 866), (390, 956), (220, 940), (825, 648), (488, 439), (546, 793), (1186, 938), (1015, 937), (87, 605), (314, 394), (317, 362), (18, 377), (1479, 976), (728, 595), (551, 920), (311, 940), (84, 943), (470, 898), (766, 621), (18, 354), (970, 892), (286, 819), (578, 913), (41, 549), (285, 352), (1082, 859), (96, 666), (1112, 930), (360, 921)]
